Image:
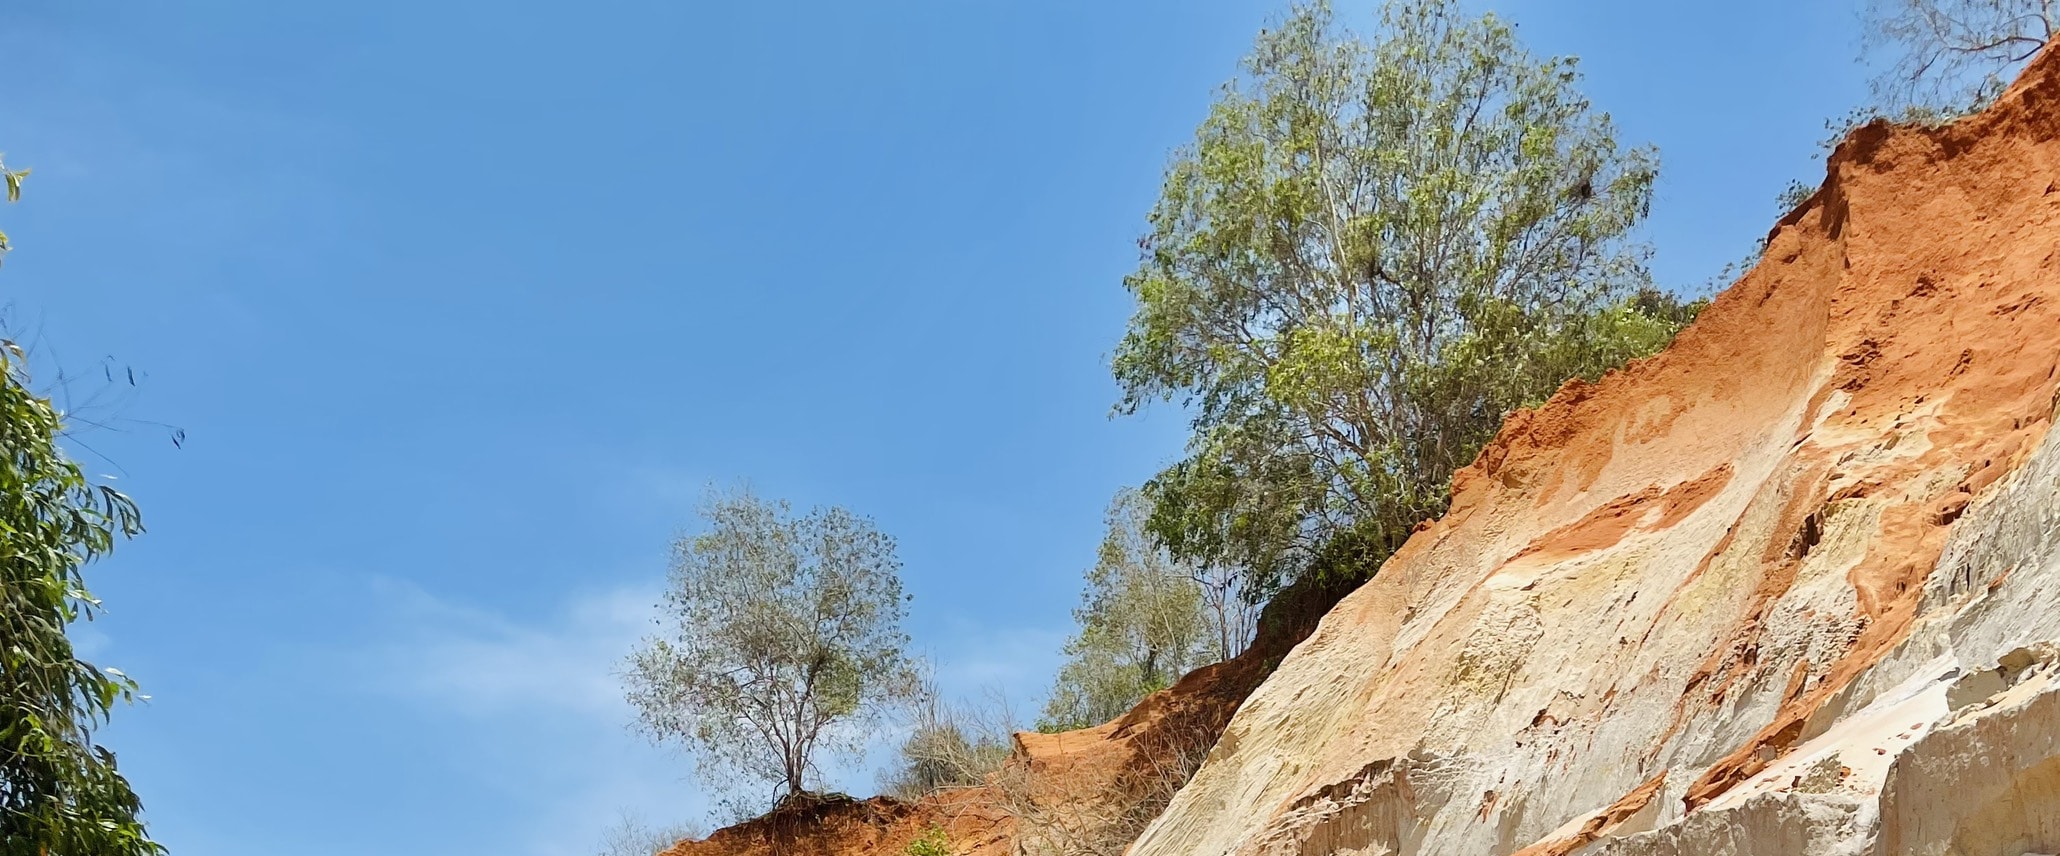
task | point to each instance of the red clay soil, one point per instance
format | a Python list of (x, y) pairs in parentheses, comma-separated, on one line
[(843, 825), (1076, 765), (1603, 821)]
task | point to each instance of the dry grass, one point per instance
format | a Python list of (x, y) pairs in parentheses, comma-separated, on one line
[(1066, 813)]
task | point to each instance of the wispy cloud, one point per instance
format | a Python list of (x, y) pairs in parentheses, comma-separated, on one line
[(543, 695), (476, 662)]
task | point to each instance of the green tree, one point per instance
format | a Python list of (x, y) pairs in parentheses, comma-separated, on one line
[(1371, 252), (1142, 625), (1946, 57), (783, 641), (60, 794), (1231, 612)]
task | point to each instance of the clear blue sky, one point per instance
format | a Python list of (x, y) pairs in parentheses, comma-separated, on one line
[(461, 304)]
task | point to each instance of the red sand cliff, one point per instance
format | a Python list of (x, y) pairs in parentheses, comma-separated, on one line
[(1648, 586)]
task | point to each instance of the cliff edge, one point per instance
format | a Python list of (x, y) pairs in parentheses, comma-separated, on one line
[(1790, 586)]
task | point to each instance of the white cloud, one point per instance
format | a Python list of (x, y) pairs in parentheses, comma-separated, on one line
[(543, 698), (476, 662)]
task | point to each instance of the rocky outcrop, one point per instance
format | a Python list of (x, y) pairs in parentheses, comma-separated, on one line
[(1791, 586)]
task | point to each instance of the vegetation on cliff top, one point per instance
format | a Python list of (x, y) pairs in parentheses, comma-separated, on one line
[(1144, 620)]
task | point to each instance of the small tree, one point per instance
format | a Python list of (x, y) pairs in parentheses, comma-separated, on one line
[(1951, 56), (1371, 253), (59, 790), (784, 638), (1142, 625)]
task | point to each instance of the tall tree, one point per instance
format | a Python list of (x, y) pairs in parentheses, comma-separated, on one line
[(1949, 56), (783, 639), (1142, 625), (1370, 253), (59, 790)]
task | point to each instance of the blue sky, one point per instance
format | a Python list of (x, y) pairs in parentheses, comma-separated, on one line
[(462, 304)]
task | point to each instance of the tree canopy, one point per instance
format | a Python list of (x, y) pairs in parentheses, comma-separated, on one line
[(1370, 253), (782, 639)]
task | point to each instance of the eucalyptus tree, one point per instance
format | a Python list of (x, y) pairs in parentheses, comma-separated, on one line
[(1373, 249), (782, 641)]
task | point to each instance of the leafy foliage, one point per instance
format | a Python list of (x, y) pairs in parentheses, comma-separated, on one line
[(1371, 252), (1142, 626), (933, 842), (59, 790), (784, 639), (1793, 196), (1954, 56)]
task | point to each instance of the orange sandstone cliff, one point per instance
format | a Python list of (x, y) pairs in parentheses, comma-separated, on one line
[(1790, 586)]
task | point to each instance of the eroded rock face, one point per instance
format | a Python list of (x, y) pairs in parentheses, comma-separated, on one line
[(1791, 586), (1951, 744)]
